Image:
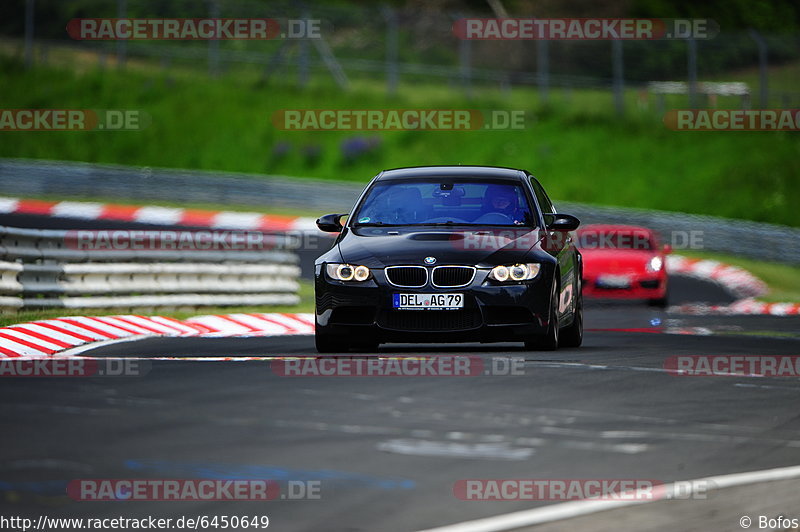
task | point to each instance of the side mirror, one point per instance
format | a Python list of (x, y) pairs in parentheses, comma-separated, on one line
[(561, 222), (667, 249), (330, 223)]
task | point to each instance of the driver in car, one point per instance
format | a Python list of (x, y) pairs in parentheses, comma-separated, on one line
[(502, 199)]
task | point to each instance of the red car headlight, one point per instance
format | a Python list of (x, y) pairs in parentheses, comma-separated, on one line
[(655, 264)]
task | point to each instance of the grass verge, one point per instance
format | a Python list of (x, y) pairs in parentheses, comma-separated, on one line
[(574, 143)]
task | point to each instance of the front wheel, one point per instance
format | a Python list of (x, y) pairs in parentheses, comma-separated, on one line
[(572, 335), (549, 340), (366, 346), (660, 302), (327, 343)]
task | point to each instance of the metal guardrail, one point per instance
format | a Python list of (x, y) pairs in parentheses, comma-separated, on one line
[(724, 88), (757, 240), (24, 177), (40, 269), (35, 178)]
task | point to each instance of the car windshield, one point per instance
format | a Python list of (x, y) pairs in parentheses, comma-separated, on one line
[(445, 202)]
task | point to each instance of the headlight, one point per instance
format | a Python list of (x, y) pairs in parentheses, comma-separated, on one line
[(347, 272), (515, 272), (655, 264), (361, 273)]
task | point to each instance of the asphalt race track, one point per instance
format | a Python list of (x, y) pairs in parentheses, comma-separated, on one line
[(388, 450)]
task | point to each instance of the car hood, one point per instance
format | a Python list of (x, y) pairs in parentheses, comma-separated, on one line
[(469, 247), (615, 260)]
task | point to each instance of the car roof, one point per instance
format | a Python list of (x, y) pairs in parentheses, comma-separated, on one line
[(464, 172)]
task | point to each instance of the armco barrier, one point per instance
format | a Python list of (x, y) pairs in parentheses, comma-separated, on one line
[(60, 179), (39, 270)]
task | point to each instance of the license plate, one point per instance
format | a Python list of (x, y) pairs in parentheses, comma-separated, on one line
[(428, 301), (613, 281)]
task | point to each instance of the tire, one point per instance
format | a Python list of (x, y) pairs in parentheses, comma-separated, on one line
[(327, 343), (572, 335), (549, 340), (367, 346), (660, 302)]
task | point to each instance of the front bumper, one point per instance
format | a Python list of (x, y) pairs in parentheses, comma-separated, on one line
[(641, 287), (492, 312)]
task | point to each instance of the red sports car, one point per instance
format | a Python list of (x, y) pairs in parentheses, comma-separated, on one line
[(623, 262)]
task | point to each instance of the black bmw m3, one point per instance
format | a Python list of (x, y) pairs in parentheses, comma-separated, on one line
[(450, 254)]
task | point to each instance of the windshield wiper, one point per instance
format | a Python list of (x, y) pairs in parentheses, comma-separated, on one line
[(470, 224), (377, 224)]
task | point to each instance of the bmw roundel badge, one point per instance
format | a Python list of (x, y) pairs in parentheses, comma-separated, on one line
[(430, 260)]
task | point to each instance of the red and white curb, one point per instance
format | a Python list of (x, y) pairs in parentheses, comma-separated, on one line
[(743, 306), (69, 334), (255, 324), (738, 281), (252, 221)]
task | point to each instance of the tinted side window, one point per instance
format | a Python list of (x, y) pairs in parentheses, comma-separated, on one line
[(544, 201)]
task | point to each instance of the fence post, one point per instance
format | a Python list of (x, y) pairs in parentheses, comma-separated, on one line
[(692, 70), (619, 81), (213, 44), (391, 49), (303, 56), (122, 44), (29, 11), (543, 69), (762, 68), (465, 65)]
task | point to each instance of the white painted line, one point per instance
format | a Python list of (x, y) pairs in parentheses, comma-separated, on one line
[(88, 347), (568, 510), (449, 449), (183, 359)]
